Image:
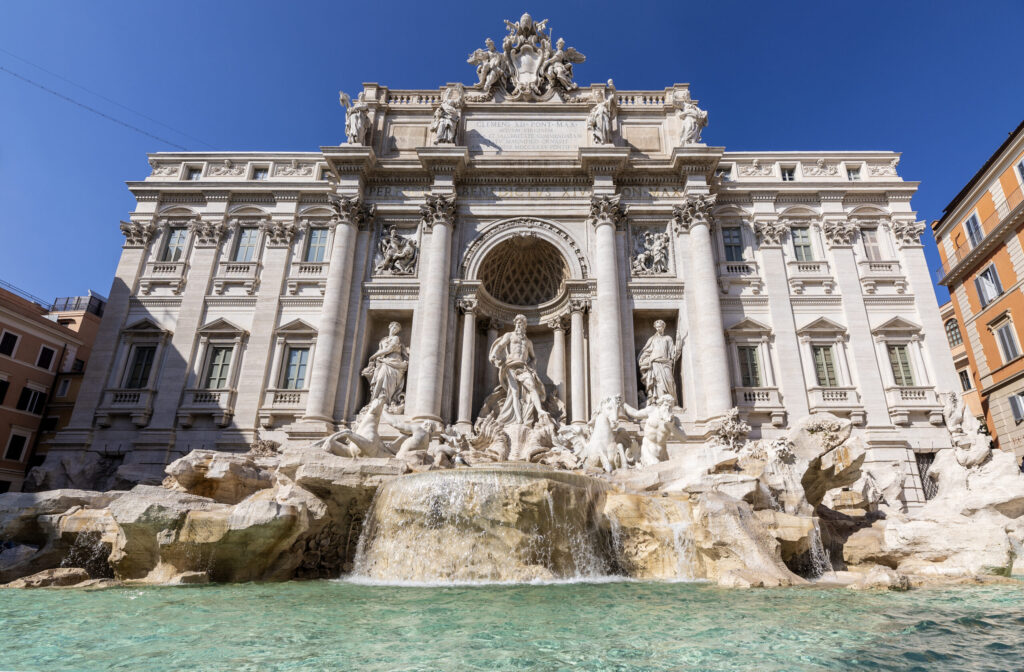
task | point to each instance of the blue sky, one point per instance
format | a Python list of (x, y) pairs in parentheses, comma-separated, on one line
[(939, 81)]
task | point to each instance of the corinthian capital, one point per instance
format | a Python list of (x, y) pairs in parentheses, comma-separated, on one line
[(839, 232), (137, 234), (771, 232), (278, 234), (907, 232), (207, 233), (695, 211), (437, 209), (351, 210), (607, 210)]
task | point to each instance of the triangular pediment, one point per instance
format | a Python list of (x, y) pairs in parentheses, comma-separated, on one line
[(297, 326), (221, 326), (145, 325), (822, 325), (897, 324), (749, 325)]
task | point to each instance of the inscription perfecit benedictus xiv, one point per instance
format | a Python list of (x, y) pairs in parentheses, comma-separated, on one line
[(523, 135)]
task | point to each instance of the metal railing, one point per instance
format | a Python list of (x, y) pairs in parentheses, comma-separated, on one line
[(1010, 206), (90, 304)]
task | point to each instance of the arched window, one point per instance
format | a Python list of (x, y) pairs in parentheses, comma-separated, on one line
[(953, 333)]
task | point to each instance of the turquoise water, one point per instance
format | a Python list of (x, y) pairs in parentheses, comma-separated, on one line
[(327, 625)]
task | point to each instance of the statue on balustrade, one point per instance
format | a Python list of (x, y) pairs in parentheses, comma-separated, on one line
[(657, 363), (386, 370), (520, 395)]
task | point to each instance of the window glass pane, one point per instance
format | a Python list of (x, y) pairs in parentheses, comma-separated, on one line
[(965, 380), (802, 243), (3, 390), (295, 373), (195, 173), (317, 245), (15, 447), (824, 366), (1008, 342), (1017, 407), (175, 247), (973, 230), (142, 362), (853, 174), (7, 343), (259, 174), (953, 333), (217, 368), (45, 358), (247, 239), (750, 369), (24, 399), (733, 244), (900, 362), (872, 250)]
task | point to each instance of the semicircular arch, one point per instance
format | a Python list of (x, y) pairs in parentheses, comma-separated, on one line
[(503, 230)]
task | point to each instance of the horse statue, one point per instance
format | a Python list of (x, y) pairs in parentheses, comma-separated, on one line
[(364, 440)]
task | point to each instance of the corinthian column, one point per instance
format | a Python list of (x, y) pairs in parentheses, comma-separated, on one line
[(468, 306), (350, 212), (605, 215), (556, 367), (438, 219), (709, 341), (577, 365)]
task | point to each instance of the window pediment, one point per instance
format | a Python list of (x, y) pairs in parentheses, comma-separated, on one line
[(297, 326), (749, 327), (897, 325), (222, 326), (145, 326), (821, 327)]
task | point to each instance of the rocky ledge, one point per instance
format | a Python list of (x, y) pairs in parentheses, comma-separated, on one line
[(741, 514)]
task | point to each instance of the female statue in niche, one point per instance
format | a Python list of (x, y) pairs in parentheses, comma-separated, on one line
[(657, 361), (386, 370)]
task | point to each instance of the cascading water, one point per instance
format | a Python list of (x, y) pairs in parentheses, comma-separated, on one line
[(652, 537), (820, 563), (502, 522)]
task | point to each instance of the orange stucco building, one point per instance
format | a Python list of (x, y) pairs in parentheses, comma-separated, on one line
[(980, 242), (43, 355)]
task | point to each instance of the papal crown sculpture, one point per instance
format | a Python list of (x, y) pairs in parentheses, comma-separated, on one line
[(516, 267)]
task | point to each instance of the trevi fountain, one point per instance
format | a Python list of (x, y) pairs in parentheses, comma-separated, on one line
[(522, 526)]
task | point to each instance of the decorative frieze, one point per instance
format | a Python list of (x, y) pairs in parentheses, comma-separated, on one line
[(884, 169), (226, 168), (821, 168)]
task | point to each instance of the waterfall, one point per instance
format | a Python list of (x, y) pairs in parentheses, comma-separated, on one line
[(819, 558), (652, 537), (502, 522)]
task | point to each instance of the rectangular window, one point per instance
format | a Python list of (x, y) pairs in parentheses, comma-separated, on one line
[(1008, 342), (724, 173), (62, 390), (3, 390), (974, 232), (5, 486), (45, 357), (7, 343), (31, 401), (1020, 170), (733, 241), (788, 173), (750, 366), (825, 366), (325, 174), (217, 368), (77, 366), (1017, 407), (194, 174), (988, 285), (317, 248), (965, 379), (872, 250), (15, 447), (142, 363), (49, 424), (175, 247), (924, 463), (295, 372), (853, 174), (899, 360), (802, 243), (260, 173), (248, 238)]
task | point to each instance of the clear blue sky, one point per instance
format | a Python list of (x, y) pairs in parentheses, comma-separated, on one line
[(939, 81)]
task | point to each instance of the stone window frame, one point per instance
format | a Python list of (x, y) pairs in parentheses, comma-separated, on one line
[(186, 171), (825, 332), (1016, 402), (235, 239), (295, 334), (254, 167), (218, 333), (140, 333), (38, 389), (898, 331), (886, 248), (967, 230), (854, 171), (966, 383), (723, 172), (949, 333), (17, 342), (63, 388), (817, 249), (1000, 290), (162, 243), (791, 168), (25, 433), (746, 238), (995, 325), (750, 332), (53, 357)]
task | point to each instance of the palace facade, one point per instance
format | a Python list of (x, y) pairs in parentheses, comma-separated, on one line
[(257, 292)]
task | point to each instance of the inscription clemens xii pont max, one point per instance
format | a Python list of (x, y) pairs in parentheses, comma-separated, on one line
[(523, 135)]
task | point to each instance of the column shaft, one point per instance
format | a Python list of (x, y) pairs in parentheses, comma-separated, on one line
[(609, 317), (434, 304), (577, 375), (710, 336), (557, 365), (466, 369)]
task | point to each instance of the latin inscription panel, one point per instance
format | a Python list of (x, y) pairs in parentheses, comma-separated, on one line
[(497, 136)]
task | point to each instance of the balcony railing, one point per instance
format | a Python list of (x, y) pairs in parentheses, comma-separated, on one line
[(307, 273), (279, 403), (244, 273), (802, 273), (220, 404), (1012, 206), (67, 304), (829, 397), (874, 272), (739, 273), (136, 403), (904, 400), (170, 273)]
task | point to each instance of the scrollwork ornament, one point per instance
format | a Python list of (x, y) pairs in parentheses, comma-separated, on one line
[(907, 232), (278, 234), (695, 211), (351, 210), (137, 234), (771, 232), (437, 209), (839, 232), (207, 233), (607, 209)]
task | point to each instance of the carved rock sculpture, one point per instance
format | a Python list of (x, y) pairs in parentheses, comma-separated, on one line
[(396, 254), (651, 255), (445, 125), (386, 368), (357, 121), (601, 119), (693, 120), (657, 362), (364, 440)]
